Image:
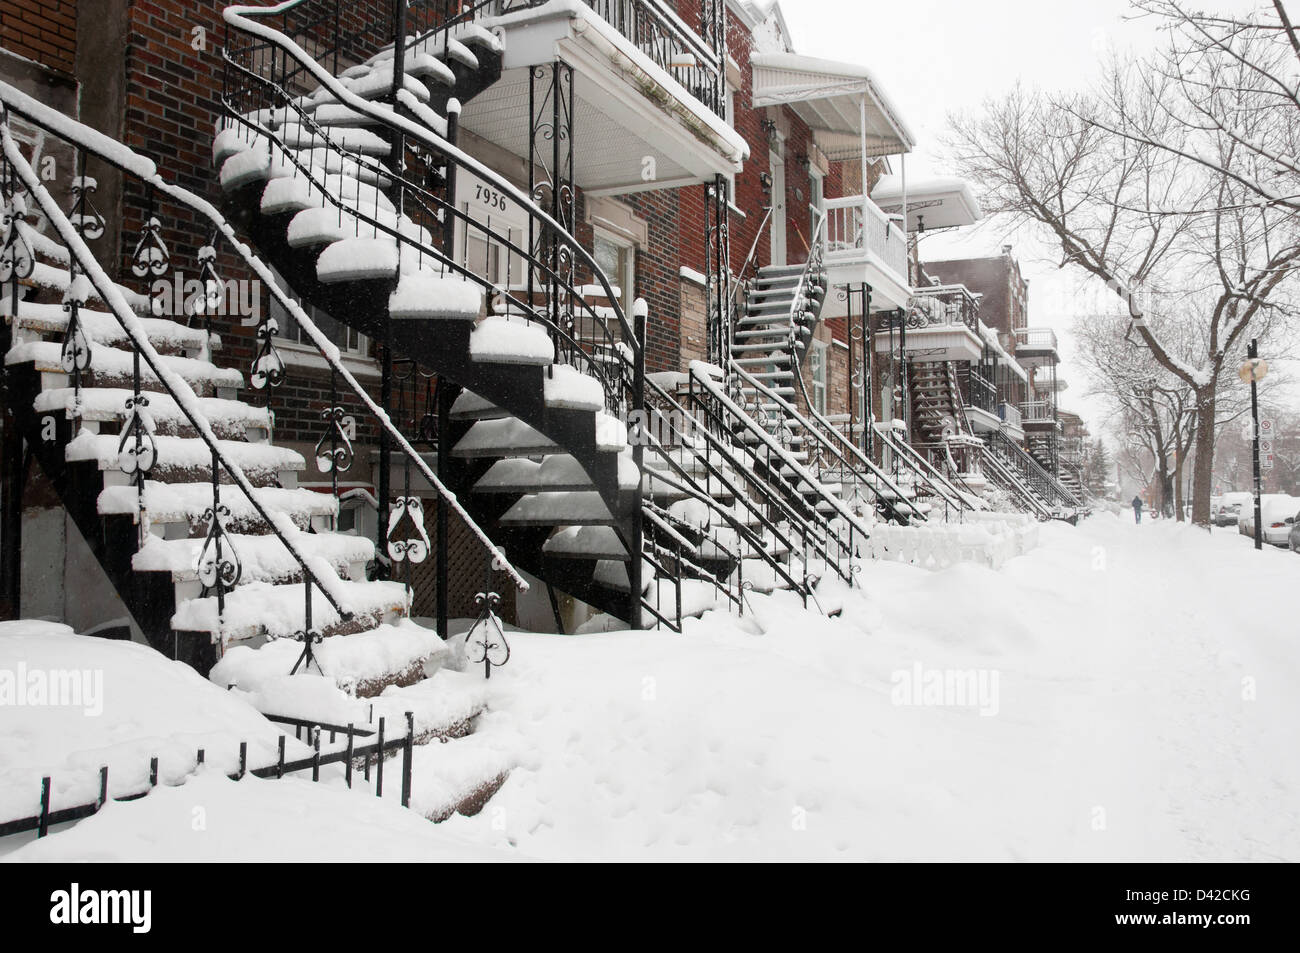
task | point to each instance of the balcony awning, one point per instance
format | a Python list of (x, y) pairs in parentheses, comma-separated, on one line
[(934, 203), (828, 96)]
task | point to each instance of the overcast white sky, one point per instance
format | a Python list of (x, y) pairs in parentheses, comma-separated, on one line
[(934, 57)]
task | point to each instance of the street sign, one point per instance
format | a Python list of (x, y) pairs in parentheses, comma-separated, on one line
[(1253, 370), (1265, 428), (1266, 461), (1266, 445)]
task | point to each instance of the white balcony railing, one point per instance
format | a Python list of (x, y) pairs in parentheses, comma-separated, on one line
[(1036, 339), (856, 227), (1010, 415), (1037, 410)]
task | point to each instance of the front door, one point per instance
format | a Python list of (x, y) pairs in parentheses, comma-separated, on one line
[(778, 208)]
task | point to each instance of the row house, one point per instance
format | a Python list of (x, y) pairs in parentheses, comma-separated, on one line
[(352, 320)]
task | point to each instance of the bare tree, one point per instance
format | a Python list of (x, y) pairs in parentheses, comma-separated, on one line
[(1174, 181)]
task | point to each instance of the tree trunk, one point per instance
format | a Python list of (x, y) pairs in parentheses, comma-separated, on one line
[(1203, 470), (1179, 509)]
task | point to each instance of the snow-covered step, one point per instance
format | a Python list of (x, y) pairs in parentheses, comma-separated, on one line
[(575, 508), (470, 406), (506, 437), (336, 115), (402, 660), (111, 367), (263, 558), (457, 777), (189, 458), (586, 542), (278, 611), (186, 503), (100, 327), (357, 259), (230, 419), (521, 475), (364, 141), (508, 340), (428, 295)]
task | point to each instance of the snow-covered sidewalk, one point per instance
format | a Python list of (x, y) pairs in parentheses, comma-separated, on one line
[(1144, 709), (1121, 692)]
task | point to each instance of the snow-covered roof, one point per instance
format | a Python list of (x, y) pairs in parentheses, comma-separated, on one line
[(934, 203), (828, 95)]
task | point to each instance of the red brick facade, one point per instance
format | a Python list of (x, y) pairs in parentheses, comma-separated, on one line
[(44, 31)]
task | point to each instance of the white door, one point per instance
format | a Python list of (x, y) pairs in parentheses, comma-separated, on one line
[(778, 208)]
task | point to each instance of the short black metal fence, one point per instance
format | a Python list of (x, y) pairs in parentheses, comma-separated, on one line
[(348, 755)]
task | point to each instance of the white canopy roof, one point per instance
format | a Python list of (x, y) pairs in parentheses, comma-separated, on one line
[(828, 96), (934, 203)]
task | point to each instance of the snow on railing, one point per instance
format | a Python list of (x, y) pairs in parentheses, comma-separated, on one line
[(125, 159)]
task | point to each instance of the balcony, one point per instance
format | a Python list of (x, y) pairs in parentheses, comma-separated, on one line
[(646, 93), (981, 402), (942, 325), (1038, 414), (1012, 421), (1036, 346), (865, 246)]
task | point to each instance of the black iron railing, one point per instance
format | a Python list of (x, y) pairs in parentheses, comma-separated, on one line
[(219, 566)]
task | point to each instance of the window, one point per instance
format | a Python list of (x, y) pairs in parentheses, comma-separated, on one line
[(348, 340), (617, 259), (816, 197), (817, 370), (729, 114)]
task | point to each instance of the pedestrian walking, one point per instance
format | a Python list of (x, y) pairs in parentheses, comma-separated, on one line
[(1137, 509)]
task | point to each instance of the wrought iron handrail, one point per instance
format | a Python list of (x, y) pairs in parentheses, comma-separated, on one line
[(761, 494), (1032, 469), (247, 19), (131, 163), (699, 375), (174, 385), (1008, 478)]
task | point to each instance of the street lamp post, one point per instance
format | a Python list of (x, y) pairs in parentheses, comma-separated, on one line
[(1254, 370)]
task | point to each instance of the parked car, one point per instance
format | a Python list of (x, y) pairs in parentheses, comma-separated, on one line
[(1229, 508), (1277, 511), (1293, 534)]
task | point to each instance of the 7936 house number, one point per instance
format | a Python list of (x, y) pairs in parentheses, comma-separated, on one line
[(490, 197)]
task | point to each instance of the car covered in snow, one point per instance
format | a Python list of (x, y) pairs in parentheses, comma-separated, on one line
[(1277, 512), (1228, 507)]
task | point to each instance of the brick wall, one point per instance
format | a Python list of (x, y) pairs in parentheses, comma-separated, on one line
[(41, 30)]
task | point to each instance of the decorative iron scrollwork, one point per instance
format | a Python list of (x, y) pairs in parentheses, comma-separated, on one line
[(413, 547), (85, 218), (150, 258), (17, 259), (218, 564), (136, 451), (486, 641), (268, 366), (75, 354), (334, 449)]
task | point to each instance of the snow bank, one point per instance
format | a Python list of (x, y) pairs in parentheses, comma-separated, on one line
[(147, 707), (310, 823)]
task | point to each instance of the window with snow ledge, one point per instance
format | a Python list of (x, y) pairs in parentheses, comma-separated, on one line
[(350, 342)]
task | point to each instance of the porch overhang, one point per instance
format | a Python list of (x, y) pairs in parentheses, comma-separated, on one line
[(931, 203), (830, 97), (635, 126)]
